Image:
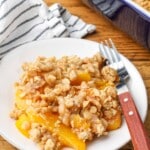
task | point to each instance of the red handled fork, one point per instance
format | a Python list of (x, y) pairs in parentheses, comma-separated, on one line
[(136, 128)]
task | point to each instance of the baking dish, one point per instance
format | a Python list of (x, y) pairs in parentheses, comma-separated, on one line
[(139, 9), (127, 15)]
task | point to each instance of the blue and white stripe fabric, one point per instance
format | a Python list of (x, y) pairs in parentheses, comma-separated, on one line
[(23, 21)]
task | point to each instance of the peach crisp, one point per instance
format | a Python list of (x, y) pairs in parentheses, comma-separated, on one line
[(65, 102)]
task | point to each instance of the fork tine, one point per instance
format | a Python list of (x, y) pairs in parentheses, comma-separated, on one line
[(110, 51), (116, 54), (104, 50)]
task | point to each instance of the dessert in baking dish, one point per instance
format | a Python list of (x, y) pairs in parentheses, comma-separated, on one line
[(144, 3), (136, 12)]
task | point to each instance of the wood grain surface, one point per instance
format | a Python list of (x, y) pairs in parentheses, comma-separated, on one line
[(138, 55)]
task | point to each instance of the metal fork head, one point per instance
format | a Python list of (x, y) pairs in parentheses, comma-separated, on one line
[(109, 51)]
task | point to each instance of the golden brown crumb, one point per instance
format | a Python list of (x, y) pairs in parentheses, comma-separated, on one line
[(144, 3), (80, 91)]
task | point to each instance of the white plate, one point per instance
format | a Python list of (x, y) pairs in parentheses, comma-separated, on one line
[(10, 69)]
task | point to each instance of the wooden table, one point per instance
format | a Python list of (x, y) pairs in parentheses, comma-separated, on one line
[(138, 55)]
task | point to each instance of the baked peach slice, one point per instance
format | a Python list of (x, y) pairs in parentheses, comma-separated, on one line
[(115, 122), (65, 134)]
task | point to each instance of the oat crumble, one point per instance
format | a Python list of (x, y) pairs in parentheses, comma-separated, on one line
[(80, 92), (143, 3)]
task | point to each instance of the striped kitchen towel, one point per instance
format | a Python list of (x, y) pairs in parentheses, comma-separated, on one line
[(23, 21)]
